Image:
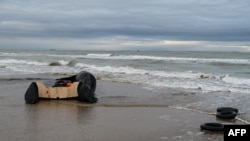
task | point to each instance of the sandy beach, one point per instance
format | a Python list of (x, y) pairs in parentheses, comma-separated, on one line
[(125, 112)]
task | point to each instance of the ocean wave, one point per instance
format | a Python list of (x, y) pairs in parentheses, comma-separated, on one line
[(152, 76), (71, 63), (172, 59), (196, 60), (187, 79), (99, 55), (173, 79), (8, 54), (239, 82), (110, 56), (155, 73), (7, 62), (15, 61)]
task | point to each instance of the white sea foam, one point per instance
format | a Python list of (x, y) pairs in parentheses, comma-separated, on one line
[(174, 59), (110, 56), (63, 62), (185, 79), (147, 57), (133, 69), (161, 74), (7, 54), (188, 79), (99, 55), (15, 61), (236, 81)]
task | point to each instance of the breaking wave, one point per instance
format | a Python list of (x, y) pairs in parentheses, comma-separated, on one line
[(71, 63), (99, 55), (8, 62), (159, 71), (187, 80), (172, 59), (15, 61), (105, 56)]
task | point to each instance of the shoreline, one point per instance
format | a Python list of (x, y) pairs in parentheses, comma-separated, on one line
[(124, 112)]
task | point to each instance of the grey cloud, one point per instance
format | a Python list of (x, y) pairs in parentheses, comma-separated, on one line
[(205, 20)]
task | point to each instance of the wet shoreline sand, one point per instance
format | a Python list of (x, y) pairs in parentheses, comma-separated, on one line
[(124, 112)]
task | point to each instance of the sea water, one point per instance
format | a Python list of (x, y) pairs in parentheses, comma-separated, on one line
[(203, 71)]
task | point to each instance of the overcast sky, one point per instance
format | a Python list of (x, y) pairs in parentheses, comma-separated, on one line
[(125, 24)]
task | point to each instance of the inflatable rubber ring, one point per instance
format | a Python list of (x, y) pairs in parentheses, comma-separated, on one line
[(212, 126), (226, 114), (31, 95), (88, 79), (222, 109), (85, 94)]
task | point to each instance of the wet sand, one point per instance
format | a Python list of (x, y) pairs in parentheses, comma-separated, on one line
[(124, 112)]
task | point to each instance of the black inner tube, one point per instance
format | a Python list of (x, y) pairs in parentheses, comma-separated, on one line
[(212, 126), (222, 109), (226, 114)]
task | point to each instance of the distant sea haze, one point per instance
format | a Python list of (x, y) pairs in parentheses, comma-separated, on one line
[(202, 71)]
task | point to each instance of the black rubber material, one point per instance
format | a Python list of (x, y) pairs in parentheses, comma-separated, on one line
[(85, 94), (83, 76), (212, 126), (222, 109), (226, 114), (31, 96), (87, 79)]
